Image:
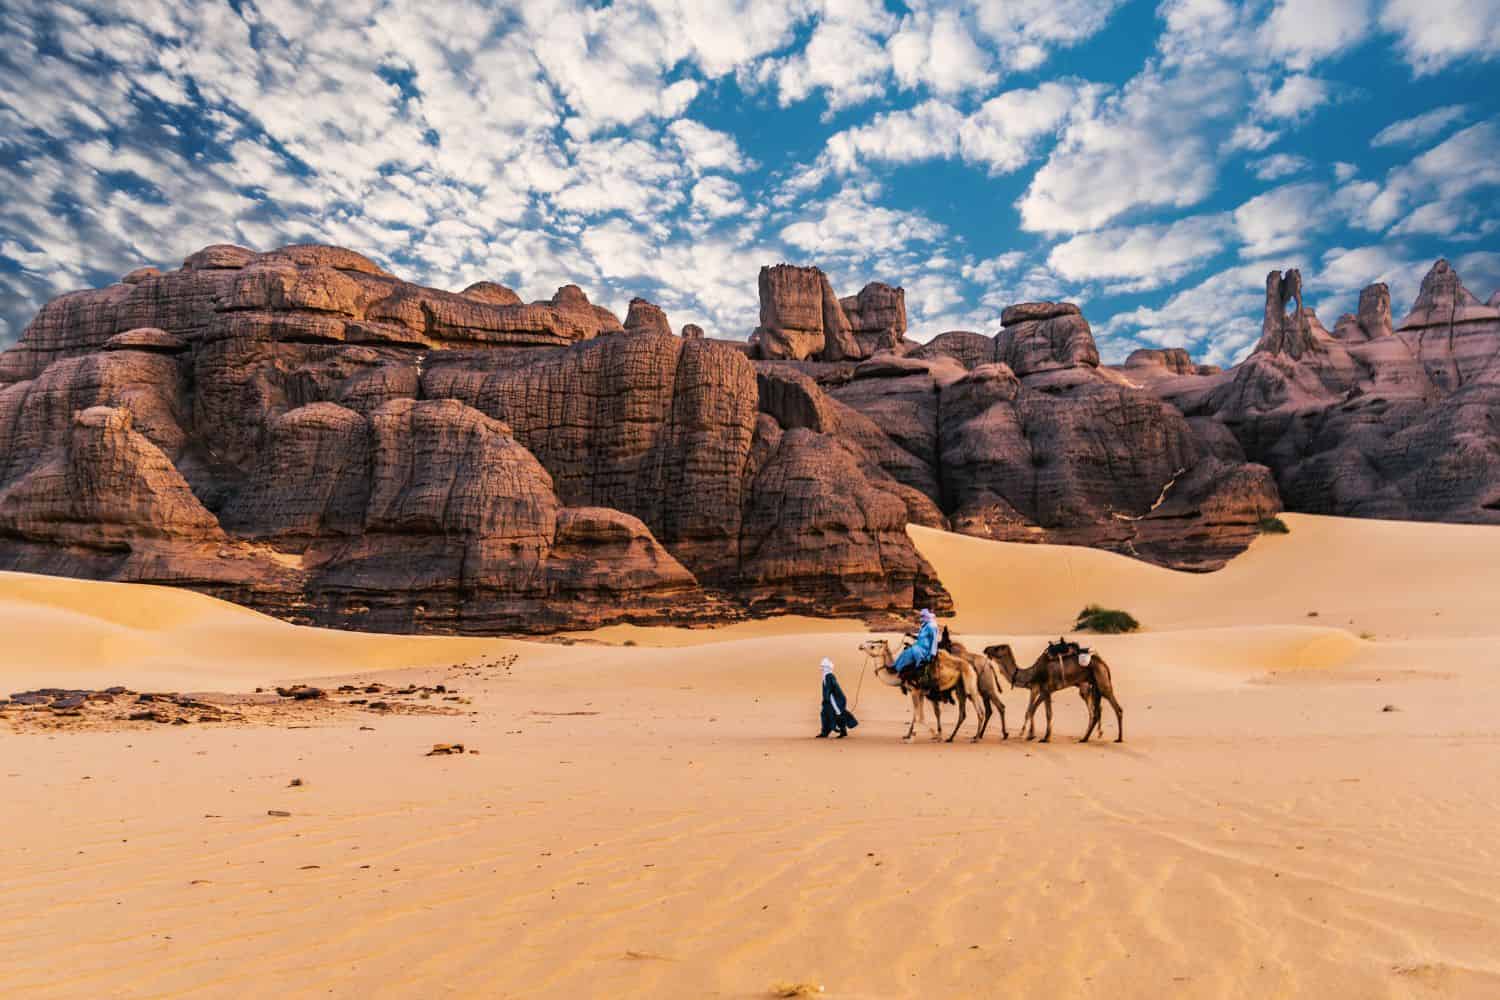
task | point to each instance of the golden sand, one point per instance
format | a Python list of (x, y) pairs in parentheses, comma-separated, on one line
[(1266, 829)]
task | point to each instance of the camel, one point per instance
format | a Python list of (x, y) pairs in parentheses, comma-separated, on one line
[(1054, 673), (946, 673), (989, 683)]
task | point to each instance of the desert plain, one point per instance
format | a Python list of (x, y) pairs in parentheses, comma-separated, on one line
[(1305, 802)]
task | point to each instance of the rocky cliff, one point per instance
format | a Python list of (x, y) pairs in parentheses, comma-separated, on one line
[(1373, 419), (305, 433)]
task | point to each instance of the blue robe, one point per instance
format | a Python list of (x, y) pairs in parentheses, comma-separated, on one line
[(835, 710), (919, 652)]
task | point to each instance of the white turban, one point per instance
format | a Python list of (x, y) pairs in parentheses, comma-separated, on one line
[(827, 666)]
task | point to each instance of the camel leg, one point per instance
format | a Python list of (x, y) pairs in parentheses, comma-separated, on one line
[(963, 714), (1004, 733), (984, 719), (1029, 727), (1090, 705), (1119, 717), (937, 713), (916, 712), (981, 713), (1047, 736), (1104, 685)]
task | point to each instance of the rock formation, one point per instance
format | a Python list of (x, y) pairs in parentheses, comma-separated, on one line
[(1373, 319), (877, 315), (1368, 421), (1063, 450), (801, 318), (1045, 336), (646, 317), (305, 433)]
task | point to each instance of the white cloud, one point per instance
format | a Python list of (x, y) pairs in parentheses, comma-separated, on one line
[(1281, 219), (705, 148), (1304, 31), (1464, 163), (1140, 258), (1421, 128), (1144, 148), (1003, 134), (1279, 165), (987, 271), (1434, 33), (1006, 131), (1294, 98), (850, 224), (844, 57), (937, 50), (1249, 137), (927, 131), (718, 196)]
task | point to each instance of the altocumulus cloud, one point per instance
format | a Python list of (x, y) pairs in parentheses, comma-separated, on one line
[(1150, 163)]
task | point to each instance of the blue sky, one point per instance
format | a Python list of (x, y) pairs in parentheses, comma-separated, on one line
[(1150, 160)]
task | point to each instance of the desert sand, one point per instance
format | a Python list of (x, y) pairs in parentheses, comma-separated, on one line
[(654, 818)]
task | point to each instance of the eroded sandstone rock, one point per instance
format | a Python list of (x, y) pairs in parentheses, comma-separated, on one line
[(646, 317)]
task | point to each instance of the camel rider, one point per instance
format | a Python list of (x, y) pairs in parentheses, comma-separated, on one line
[(916, 656)]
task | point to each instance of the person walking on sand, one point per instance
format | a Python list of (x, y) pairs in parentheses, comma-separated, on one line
[(835, 707)]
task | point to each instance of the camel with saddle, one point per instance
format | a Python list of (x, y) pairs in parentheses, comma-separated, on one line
[(945, 678), (1060, 666)]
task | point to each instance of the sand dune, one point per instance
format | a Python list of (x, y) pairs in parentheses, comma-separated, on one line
[(1267, 829)]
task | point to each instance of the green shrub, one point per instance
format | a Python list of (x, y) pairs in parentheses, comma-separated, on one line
[(1108, 620), (1274, 526)]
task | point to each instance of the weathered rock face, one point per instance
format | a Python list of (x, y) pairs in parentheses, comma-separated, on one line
[(1045, 336), (1069, 452), (646, 317), (692, 331), (801, 318), (877, 315), (1371, 422), (1373, 320), (1173, 359), (1021, 464), (964, 346), (303, 432)]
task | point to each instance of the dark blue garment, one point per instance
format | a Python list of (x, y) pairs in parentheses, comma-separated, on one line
[(835, 711)]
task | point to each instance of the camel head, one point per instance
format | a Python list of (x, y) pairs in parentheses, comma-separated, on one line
[(1004, 658), (880, 649)]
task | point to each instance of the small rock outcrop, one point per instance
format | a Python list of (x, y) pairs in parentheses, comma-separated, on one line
[(646, 317), (1045, 336), (877, 315), (801, 318), (1373, 320)]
